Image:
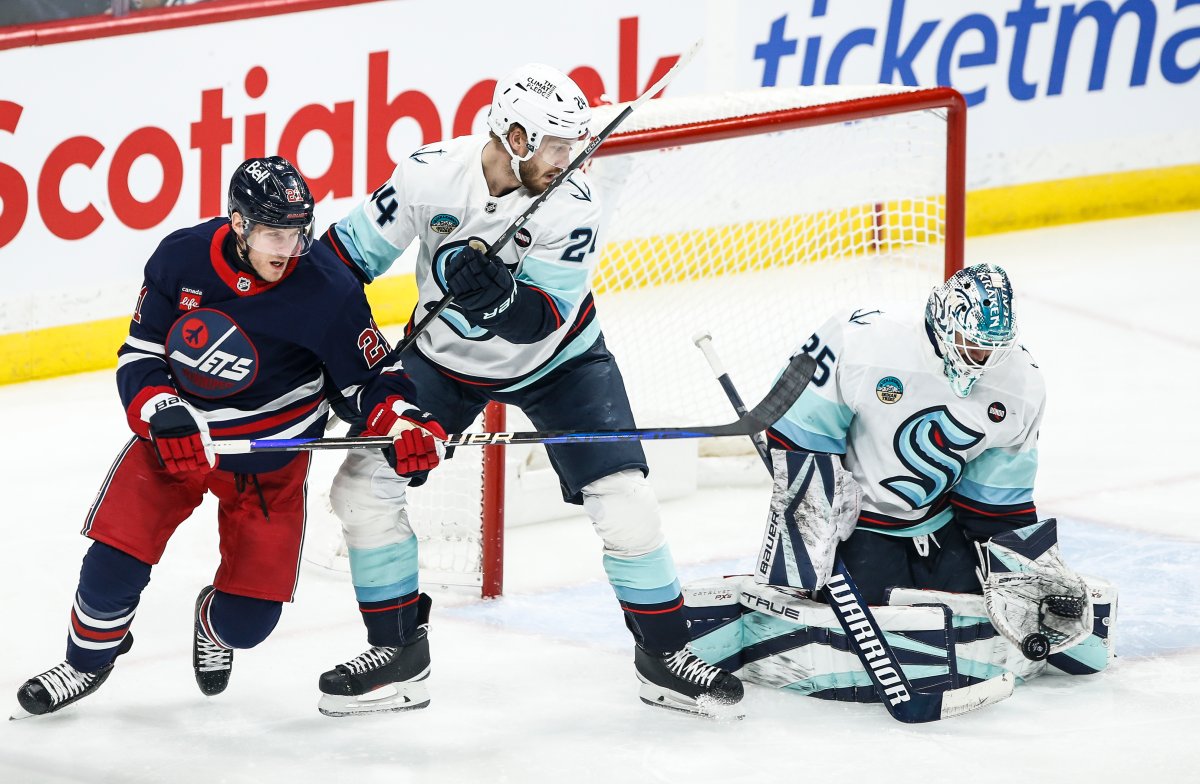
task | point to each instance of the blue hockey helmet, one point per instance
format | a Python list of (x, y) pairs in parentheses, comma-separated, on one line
[(270, 193), (971, 318)]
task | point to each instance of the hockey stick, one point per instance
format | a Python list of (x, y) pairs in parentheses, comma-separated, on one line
[(774, 405), (895, 691), (578, 161)]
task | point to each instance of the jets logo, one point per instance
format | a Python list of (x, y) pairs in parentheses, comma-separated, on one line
[(929, 444), (210, 356)]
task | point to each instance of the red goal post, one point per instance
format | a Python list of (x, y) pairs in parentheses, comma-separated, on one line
[(753, 215)]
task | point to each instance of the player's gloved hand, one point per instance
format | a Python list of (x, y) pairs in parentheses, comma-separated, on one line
[(481, 284), (416, 436), (180, 438)]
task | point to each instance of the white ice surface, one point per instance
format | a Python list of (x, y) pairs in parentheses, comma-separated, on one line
[(539, 686)]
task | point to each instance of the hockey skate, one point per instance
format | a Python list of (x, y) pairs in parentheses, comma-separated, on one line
[(61, 685), (382, 680), (212, 661), (682, 681)]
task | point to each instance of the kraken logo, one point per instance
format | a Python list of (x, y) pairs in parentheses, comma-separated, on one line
[(929, 443)]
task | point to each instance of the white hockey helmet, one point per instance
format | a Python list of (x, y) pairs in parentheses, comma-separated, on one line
[(972, 319), (545, 102)]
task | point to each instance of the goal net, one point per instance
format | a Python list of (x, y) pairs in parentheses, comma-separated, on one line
[(753, 216)]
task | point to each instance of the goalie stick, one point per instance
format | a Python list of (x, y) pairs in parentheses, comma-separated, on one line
[(902, 701), (575, 163), (774, 405)]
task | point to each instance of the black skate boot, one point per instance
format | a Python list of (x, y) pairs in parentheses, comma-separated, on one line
[(59, 686), (683, 681), (383, 679), (211, 660)]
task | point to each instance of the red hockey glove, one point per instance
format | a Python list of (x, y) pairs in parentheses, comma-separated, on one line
[(180, 438), (416, 436)]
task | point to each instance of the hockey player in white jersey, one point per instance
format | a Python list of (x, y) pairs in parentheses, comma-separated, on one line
[(937, 421), (522, 330)]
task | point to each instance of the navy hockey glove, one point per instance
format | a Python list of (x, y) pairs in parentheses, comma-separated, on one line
[(181, 439), (416, 436), (482, 286)]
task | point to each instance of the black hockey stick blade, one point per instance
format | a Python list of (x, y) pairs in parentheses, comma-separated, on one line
[(778, 400), (578, 161)]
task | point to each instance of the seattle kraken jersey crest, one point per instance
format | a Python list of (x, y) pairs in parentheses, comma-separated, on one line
[(929, 444)]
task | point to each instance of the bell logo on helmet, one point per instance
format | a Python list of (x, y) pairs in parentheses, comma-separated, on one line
[(255, 169)]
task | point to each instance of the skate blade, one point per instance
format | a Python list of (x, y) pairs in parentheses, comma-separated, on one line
[(20, 713), (704, 706), (385, 699)]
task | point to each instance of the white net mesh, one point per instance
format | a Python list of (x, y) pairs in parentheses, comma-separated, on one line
[(756, 239), (446, 515)]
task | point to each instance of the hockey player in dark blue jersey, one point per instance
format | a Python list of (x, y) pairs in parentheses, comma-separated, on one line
[(240, 325)]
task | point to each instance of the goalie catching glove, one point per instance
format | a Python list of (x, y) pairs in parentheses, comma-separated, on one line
[(416, 436), (1032, 598)]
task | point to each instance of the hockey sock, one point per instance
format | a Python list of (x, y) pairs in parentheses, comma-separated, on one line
[(241, 621), (391, 622), (648, 591), (385, 584), (110, 584), (659, 628)]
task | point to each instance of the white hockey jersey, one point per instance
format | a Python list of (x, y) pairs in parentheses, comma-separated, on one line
[(439, 196), (880, 398)]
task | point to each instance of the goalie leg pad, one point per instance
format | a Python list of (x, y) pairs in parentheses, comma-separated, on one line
[(789, 642), (982, 652)]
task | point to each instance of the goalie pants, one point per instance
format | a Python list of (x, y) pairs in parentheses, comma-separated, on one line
[(585, 393), (879, 562)]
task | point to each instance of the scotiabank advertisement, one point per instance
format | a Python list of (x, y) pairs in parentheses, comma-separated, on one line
[(108, 144)]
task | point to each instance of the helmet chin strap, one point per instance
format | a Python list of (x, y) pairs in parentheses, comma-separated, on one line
[(241, 254), (514, 160)]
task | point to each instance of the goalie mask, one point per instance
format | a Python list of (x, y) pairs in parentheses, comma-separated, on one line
[(275, 205), (971, 318), (549, 106)]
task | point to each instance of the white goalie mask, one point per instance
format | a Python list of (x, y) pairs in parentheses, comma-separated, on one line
[(971, 317), (548, 105)]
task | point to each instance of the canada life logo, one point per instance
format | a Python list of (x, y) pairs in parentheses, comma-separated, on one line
[(210, 356)]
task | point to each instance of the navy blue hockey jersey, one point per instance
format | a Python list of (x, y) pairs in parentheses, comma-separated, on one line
[(252, 357)]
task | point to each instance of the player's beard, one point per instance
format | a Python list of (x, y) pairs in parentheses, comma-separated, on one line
[(536, 177)]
